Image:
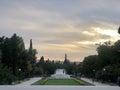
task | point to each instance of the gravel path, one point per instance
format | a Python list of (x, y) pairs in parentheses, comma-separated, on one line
[(27, 86), (36, 87), (29, 82), (95, 82), (32, 80)]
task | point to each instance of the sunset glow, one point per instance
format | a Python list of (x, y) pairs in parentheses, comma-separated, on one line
[(61, 26)]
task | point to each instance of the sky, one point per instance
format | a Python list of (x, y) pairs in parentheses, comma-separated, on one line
[(57, 27)]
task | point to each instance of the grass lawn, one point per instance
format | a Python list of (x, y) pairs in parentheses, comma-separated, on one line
[(46, 81)]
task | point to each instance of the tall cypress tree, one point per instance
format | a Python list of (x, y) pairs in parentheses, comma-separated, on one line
[(17, 47), (66, 61), (32, 57), (32, 53)]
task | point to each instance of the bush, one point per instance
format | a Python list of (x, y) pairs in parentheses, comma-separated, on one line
[(6, 77)]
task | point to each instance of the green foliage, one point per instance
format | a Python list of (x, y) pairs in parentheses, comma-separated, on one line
[(14, 56), (48, 67), (18, 63), (5, 75), (89, 65), (106, 64), (12, 49), (0, 55)]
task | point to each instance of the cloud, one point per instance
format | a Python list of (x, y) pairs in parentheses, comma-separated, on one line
[(61, 26)]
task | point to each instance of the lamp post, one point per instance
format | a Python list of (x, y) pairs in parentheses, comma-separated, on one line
[(104, 69), (93, 75), (104, 73), (19, 74)]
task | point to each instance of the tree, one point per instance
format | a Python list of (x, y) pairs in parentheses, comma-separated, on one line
[(32, 57), (6, 76), (0, 55), (119, 30), (41, 60), (105, 52), (89, 66), (14, 57), (32, 53), (41, 65), (66, 61), (17, 47), (6, 52)]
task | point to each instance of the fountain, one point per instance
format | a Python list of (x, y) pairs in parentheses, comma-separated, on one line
[(60, 74)]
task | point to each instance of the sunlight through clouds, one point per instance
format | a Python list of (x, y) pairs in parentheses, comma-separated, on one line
[(87, 42), (111, 33), (61, 26), (88, 33)]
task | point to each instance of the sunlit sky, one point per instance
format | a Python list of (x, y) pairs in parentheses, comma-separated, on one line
[(61, 26)]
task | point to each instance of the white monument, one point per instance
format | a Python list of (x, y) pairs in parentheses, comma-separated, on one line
[(60, 74)]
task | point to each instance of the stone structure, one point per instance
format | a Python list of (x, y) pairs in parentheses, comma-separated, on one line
[(60, 74)]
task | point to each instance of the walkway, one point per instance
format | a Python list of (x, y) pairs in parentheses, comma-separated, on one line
[(27, 86), (95, 82), (37, 87), (29, 82), (32, 80)]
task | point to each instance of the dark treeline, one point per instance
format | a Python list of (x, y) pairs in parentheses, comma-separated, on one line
[(15, 60), (106, 65), (48, 67), (18, 63)]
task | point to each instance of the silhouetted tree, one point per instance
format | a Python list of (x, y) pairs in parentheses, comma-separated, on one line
[(15, 60), (119, 30), (89, 65), (66, 61), (6, 76)]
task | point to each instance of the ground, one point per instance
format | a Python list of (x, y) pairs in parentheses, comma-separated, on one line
[(29, 82), (95, 82), (36, 87), (26, 86)]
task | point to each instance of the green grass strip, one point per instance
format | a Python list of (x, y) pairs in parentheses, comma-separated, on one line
[(61, 82), (46, 81)]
